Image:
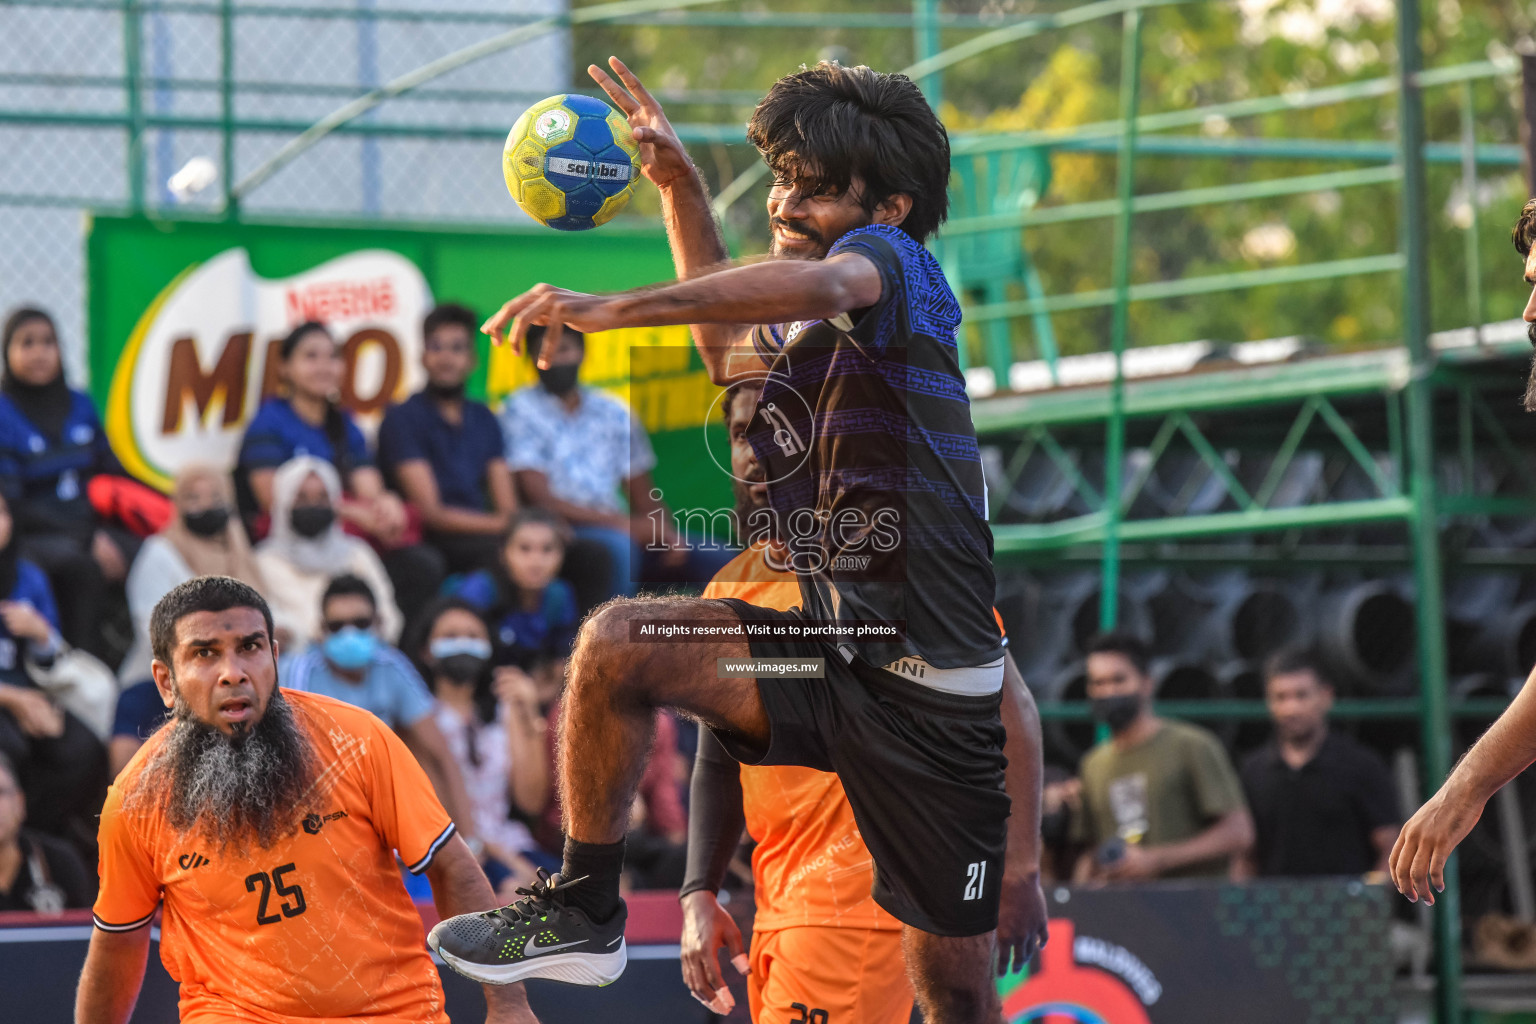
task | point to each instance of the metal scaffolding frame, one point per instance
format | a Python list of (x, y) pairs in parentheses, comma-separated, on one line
[(1404, 393)]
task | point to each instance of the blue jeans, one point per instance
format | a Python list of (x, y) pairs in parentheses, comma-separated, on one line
[(699, 568)]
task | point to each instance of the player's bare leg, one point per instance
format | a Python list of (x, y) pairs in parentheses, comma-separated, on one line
[(614, 685), (616, 681), (953, 977)]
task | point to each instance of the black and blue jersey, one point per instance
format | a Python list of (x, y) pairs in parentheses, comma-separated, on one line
[(874, 475)]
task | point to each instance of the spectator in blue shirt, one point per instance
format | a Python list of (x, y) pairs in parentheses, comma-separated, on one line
[(531, 611), (353, 665), (51, 445), (307, 421), (62, 765), (575, 450), (443, 450)]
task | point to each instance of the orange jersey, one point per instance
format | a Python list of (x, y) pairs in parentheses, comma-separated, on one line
[(317, 928), (811, 867)]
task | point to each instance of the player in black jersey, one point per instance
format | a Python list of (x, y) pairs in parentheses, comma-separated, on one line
[(875, 484)]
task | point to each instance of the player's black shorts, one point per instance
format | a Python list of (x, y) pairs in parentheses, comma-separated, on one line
[(923, 771)]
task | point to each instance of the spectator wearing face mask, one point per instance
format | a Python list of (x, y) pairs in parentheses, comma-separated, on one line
[(353, 665), (581, 454), (38, 873), (307, 420), (205, 538), (1160, 799), (496, 733), (307, 548)]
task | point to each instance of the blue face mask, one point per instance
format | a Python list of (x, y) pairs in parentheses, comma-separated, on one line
[(448, 646), (350, 648)]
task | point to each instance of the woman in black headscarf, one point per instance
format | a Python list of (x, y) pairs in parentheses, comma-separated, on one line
[(51, 445)]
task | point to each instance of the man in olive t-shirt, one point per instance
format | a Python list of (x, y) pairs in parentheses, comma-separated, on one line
[(1160, 799)]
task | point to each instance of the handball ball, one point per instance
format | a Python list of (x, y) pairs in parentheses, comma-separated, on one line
[(571, 163)]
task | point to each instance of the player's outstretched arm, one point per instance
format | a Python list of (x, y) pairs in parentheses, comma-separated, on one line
[(1022, 918), (459, 887), (698, 247), (112, 976), (1508, 747), (714, 830), (777, 291)]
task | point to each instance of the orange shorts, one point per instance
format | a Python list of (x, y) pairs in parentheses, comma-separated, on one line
[(828, 976)]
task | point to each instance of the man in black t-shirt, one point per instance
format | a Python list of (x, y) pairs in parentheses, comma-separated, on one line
[(1322, 804)]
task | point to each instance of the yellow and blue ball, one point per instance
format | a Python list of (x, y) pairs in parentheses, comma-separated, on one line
[(571, 163)]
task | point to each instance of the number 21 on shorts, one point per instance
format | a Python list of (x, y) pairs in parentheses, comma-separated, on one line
[(975, 879)]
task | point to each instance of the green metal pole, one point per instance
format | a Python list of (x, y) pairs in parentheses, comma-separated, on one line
[(1436, 721), (1114, 445), (133, 73), (227, 104), (925, 45), (1469, 186)]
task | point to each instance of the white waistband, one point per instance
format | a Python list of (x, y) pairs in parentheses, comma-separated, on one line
[(969, 681)]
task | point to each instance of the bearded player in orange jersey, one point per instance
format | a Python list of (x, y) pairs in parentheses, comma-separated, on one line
[(266, 823), (823, 951)]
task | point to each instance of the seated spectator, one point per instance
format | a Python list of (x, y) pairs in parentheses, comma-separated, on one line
[(51, 445), (1322, 803), (574, 449), (354, 666), (38, 873), (306, 548), (1159, 798), (33, 655), (206, 538), (309, 422), (443, 450), (496, 733), (532, 611), (61, 763)]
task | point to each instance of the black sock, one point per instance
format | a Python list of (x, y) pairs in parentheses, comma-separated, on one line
[(601, 864)]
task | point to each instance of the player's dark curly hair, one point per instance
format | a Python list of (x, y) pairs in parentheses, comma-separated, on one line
[(734, 391), (832, 124), (1524, 233), (1524, 236)]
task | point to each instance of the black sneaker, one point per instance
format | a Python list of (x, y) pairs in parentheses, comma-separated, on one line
[(536, 937)]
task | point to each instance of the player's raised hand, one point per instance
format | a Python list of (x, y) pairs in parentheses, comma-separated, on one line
[(1417, 863), (662, 157), (551, 307), (707, 927)]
